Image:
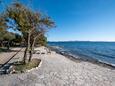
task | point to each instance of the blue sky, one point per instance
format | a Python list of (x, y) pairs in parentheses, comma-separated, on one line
[(84, 20)]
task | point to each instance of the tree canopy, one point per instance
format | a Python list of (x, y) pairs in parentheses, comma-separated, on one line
[(30, 23)]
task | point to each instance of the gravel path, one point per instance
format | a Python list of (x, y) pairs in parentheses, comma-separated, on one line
[(5, 56), (57, 70)]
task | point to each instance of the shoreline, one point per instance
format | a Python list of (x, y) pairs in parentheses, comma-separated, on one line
[(77, 58), (57, 69)]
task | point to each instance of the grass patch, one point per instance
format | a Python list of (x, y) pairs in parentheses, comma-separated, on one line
[(3, 50), (20, 67)]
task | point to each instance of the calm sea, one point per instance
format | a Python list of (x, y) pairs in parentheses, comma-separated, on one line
[(102, 51)]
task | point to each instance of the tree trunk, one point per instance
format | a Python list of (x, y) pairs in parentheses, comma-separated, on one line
[(30, 56), (1, 44), (27, 48), (32, 47), (25, 55), (8, 45), (31, 51)]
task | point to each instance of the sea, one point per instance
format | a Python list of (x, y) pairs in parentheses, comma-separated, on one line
[(100, 51)]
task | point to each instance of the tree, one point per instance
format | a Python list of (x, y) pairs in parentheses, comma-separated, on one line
[(3, 27), (18, 39), (41, 40), (30, 23), (24, 18), (1, 38), (45, 23), (8, 36), (2, 24)]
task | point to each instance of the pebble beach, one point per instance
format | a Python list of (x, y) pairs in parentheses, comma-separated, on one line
[(57, 70)]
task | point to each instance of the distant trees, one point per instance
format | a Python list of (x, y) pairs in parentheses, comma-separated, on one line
[(2, 28), (31, 24), (4, 34), (3, 25), (6, 39), (1, 38), (18, 39), (41, 40), (8, 36)]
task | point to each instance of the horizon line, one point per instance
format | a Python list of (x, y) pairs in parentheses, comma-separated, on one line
[(79, 41)]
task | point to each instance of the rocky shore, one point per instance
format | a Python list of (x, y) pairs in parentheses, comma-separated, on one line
[(58, 70), (78, 58)]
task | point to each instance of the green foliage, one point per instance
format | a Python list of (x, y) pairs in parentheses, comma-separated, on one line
[(3, 25), (18, 38), (9, 36), (41, 40), (27, 19), (1, 35), (30, 23), (5, 35), (24, 17)]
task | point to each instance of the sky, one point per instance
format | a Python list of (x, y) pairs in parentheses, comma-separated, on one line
[(82, 20)]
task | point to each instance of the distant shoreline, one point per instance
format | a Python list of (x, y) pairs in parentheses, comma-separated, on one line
[(86, 41), (75, 58)]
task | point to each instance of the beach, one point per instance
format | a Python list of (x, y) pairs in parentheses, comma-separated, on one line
[(58, 70), (57, 43)]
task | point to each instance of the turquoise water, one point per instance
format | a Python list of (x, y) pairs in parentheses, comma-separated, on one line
[(102, 51)]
